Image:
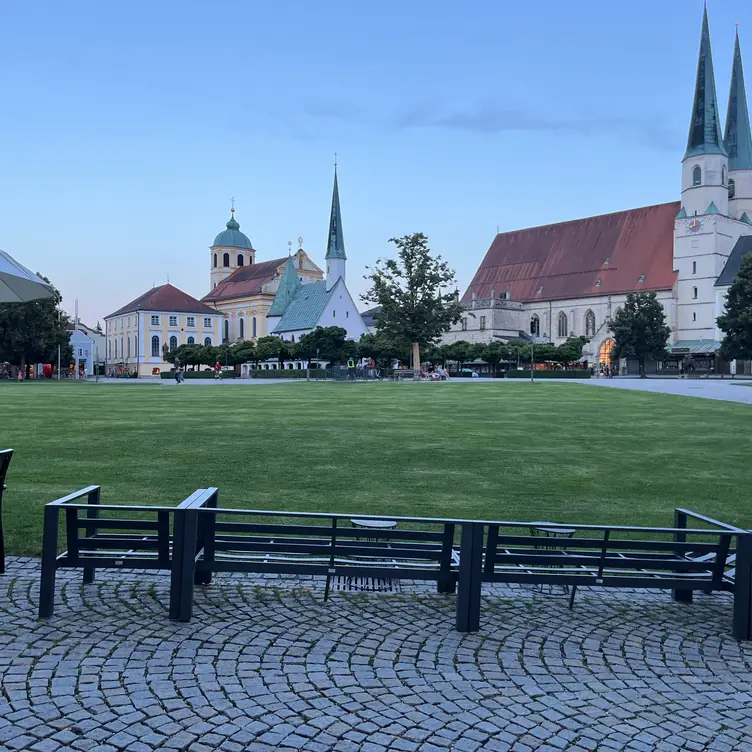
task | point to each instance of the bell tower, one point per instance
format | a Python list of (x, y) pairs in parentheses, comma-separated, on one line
[(230, 250)]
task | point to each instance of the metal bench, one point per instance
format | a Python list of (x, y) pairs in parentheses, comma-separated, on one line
[(5, 457), (99, 537), (680, 559), (298, 543)]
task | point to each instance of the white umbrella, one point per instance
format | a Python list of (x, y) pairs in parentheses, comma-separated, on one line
[(18, 284)]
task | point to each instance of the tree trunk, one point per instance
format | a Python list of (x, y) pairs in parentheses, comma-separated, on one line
[(416, 361), (643, 375)]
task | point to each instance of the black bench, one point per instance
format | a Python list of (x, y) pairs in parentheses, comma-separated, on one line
[(99, 537), (259, 541), (5, 457), (717, 557)]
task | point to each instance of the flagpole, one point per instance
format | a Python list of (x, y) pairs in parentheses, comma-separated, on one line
[(58, 348), (75, 328)]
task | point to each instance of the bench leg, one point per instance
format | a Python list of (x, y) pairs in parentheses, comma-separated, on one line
[(571, 597), (189, 564), (470, 576), (49, 563)]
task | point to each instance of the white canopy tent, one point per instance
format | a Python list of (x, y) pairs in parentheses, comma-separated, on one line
[(18, 284)]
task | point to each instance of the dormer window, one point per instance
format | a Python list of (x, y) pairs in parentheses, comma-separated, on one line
[(731, 188), (642, 278), (598, 283), (723, 175), (606, 261), (540, 289), (697, 176)]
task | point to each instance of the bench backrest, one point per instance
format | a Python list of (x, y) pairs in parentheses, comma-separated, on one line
[(310, 543)]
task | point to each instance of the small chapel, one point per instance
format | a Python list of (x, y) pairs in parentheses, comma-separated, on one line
[(285, 297)]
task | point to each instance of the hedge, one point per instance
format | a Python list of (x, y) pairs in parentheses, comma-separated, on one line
[(198, 374), (574, 374), (288, 373)]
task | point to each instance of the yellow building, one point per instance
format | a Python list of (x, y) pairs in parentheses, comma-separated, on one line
[(244, 290), (141, 333)]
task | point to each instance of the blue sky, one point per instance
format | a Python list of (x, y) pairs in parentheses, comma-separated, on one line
[(125, 128)]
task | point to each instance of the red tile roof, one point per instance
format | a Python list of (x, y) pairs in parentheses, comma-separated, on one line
[(165, 298), (568, 259), (246, 280)]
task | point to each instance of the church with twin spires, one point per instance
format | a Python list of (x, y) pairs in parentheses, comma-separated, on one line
[(551, 282)]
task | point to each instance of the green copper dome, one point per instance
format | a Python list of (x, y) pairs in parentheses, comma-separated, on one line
[(232, 237)]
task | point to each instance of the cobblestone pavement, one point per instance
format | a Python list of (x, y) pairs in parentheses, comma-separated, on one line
[(275, 668)]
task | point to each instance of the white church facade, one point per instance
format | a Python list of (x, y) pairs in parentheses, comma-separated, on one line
[(555, 281)]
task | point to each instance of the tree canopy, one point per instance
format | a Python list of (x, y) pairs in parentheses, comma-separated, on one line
[(736, 322), (409, 291), (640, 329), (326, 341)]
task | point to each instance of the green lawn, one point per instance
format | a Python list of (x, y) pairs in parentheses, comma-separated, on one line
[(563, 452)]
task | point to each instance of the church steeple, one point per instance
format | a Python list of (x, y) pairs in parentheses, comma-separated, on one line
[(738, 139), (336, 259), (286, 290), (705, 126)]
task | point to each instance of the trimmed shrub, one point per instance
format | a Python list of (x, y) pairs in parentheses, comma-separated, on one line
[(574, 374), (198, 374), (288, 373)]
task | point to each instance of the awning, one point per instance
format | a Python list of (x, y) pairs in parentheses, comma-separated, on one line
[(694, 347)]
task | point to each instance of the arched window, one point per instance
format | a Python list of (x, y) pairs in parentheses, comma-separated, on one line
[(115, 348), (215, 260), (694, 316), (155, 346), (122, 349), (226, 259), (227, 329), (129, 348), (253, 327), (694, 293), (723, 175), (589, 324), (535, 325), (207, 341), (563, 324), (240, 259), (241, 327), (694, 267), (697, 175), (606, 350), (191, 341), (173, 343), (292, 338), (135, 345), (731, 188)]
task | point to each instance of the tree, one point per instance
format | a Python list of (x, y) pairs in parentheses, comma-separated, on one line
[(268, 348), (460, 352), (409, 291), (736, 322), (571, 350), (31, 332), (327, 341), (493, 353), (640, 329), (243, 352)]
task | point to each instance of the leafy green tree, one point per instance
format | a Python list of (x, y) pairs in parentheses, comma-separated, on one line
[(268, 348), (736, 322), (493, 353), (460, 352), (31, 332), (640, 329), (571, 350), (328, 341), (409, 291), (243, 352), (383, 349)]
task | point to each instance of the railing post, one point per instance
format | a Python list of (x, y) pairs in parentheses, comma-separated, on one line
[(49, 561), (92, 513), (680, 520), (176, 565), (491, 543), (446, 583), (188, 566), (470, 576), (742, 618), (206, 540)]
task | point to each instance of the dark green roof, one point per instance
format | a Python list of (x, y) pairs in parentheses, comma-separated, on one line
[(705, 127), (741, 249), (232, 237), (336, 245), (288, 286), (306, 307), (738, 139)]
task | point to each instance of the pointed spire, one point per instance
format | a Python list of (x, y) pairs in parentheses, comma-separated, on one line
[(682, 213), (744, 218), (738, 138), (336, 245), (705, 126), (288, 286), (712, 209)]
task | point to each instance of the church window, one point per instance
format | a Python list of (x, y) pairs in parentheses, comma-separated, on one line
[(482, 323), (292, 338), (129, 348), (241, 328), (694, 316), (694, 293), (135, 344), (227, 329), (115, 348), (347, 314), (207, 341), (154, 346), (731, 188), (207, 322), (723, 175), (215, 260), (190, 321), (589, 324), (694, 267), (334, 314), (241, 260), (122, 349), (173, 343), (173, 320), (253, 326), (464, 325), (109, 349), (563, 324), (191, 341), (535, 325), (697, 175), (226, 259), (154, 320)]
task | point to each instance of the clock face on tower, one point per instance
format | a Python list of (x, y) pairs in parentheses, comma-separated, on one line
[(695, 225)]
